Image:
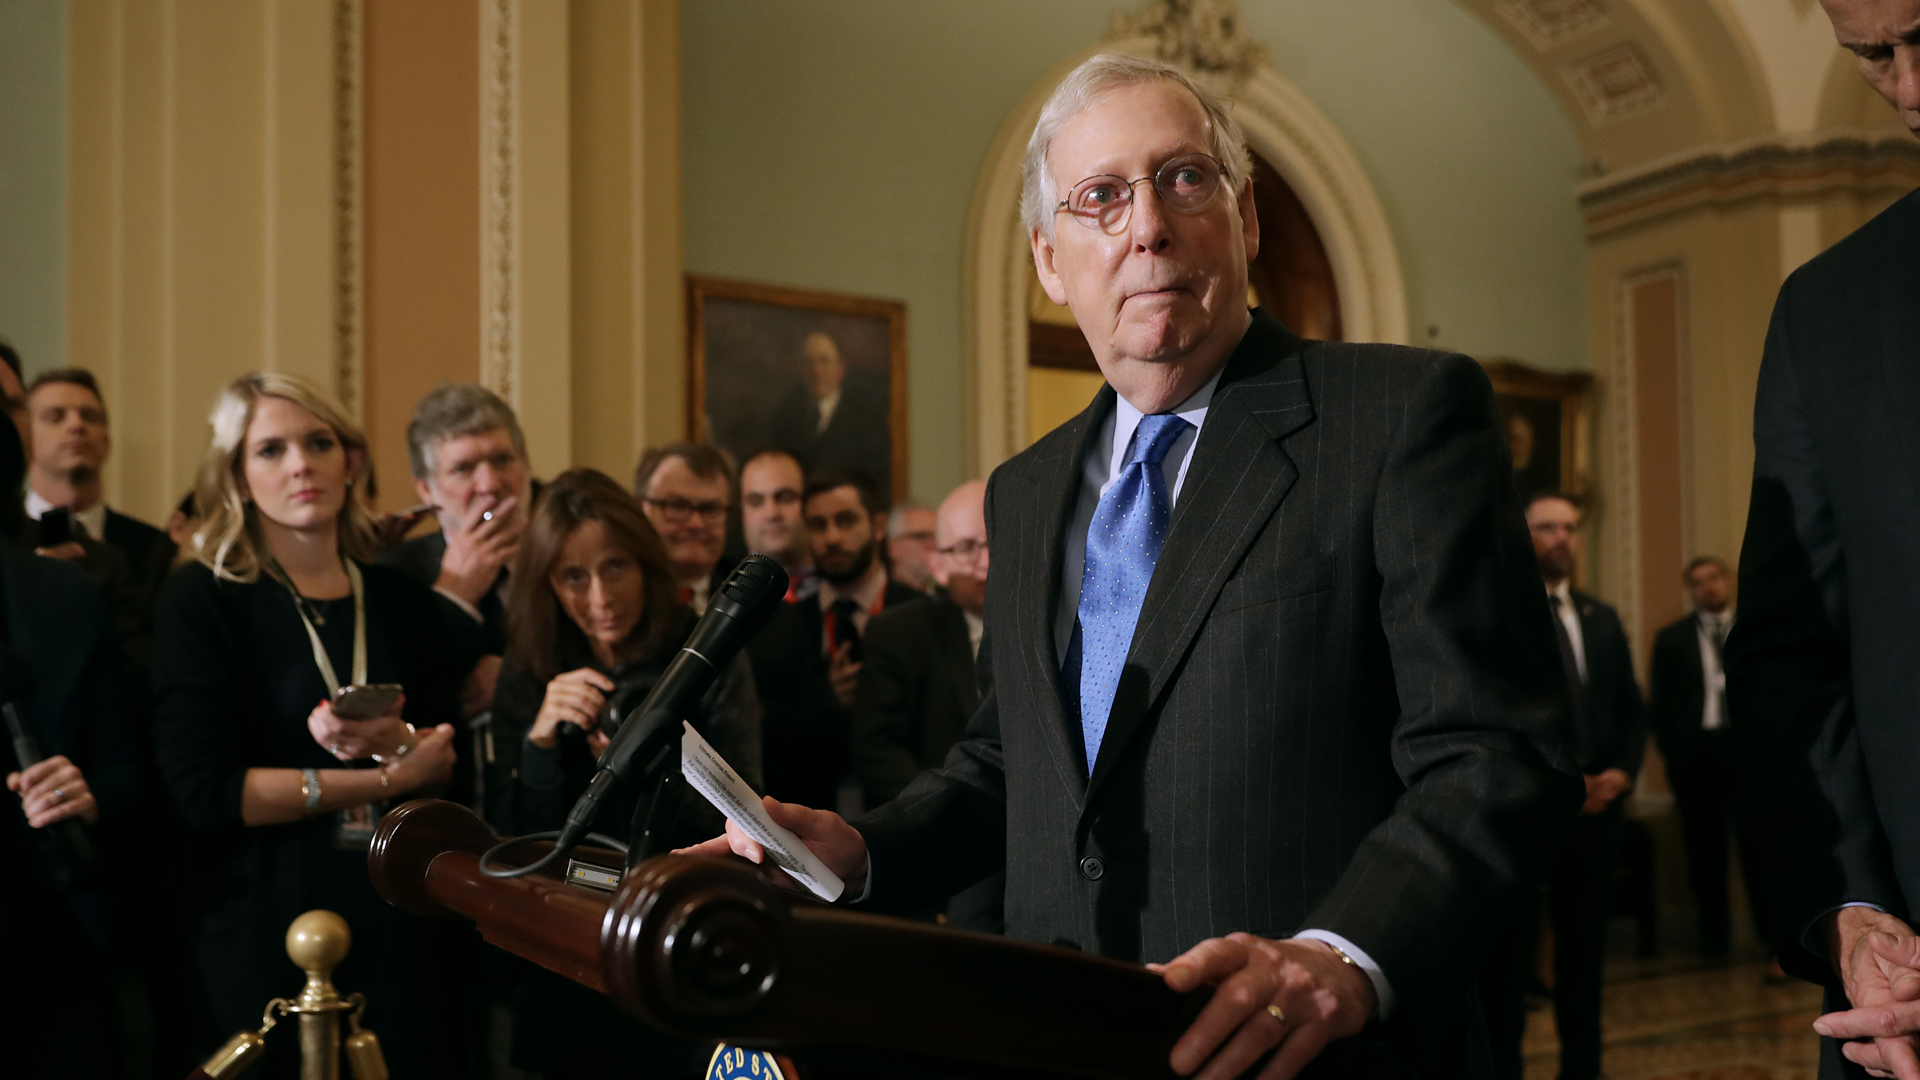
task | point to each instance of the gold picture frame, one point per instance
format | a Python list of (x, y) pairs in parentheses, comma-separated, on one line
[(1547, 418), (754, 358)]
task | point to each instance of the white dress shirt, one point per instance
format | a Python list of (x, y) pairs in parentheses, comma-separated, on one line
[(827, 407), (1105, 457), (1706, 624), (93, 519), (1570, 618)]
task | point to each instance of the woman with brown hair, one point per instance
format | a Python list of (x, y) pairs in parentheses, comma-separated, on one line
[(593, 617), (280, 608)]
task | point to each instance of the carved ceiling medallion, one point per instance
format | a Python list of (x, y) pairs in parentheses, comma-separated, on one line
[(1615, 83), (1548, 23), (1205, 37)]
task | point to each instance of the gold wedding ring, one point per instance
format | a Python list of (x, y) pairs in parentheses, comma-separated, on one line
[(1274, 1011)]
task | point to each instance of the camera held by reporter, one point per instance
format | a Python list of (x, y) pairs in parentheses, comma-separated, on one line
[(254, 638), (594, 618)]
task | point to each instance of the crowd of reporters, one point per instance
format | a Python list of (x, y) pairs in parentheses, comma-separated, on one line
[(181, 685)]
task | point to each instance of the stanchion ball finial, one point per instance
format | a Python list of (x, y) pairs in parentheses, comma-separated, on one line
[(318, 941)]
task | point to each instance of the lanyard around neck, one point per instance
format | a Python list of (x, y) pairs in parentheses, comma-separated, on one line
[(320, 658)]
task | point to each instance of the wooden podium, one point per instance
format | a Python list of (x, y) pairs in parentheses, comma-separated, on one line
[(713, 949)]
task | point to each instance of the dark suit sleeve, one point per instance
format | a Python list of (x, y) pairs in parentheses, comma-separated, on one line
[(1788, 682), (1489, 783), (885, 703), (198, 732), (948, 829)]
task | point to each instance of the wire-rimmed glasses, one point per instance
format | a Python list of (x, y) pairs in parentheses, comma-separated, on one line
[(1186, 184)]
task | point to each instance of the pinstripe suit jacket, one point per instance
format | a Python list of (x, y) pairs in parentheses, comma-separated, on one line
[(1339, 710)]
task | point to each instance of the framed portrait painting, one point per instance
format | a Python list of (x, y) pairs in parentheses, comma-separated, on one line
[(821, 375), (1545, 416)]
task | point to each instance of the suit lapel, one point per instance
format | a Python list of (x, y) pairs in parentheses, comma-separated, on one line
[(1237, 478), (1042, 518)]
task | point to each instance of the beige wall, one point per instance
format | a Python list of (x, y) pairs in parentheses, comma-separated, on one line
[(1660, 500), (199, 215), (422, 216), (379, 194), (628, 318)]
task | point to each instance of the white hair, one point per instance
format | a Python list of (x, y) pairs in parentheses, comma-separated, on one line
[(1084, 87), (897, 517)]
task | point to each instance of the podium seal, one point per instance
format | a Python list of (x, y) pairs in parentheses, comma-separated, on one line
[(739, 1063)]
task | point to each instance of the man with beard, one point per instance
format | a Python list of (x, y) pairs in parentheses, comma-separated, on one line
[(845, 519), (68, 444), (1607, 731)]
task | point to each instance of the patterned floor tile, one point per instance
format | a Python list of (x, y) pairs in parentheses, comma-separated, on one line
[(1721, 1023)]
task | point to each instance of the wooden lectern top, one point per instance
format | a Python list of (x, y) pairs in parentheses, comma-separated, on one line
[(713, 949)]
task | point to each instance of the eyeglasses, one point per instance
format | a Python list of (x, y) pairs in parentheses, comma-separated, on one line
[(966, 550), (680, 511), (1186, 184)]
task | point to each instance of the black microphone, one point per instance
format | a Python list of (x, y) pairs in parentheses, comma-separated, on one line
[(735, 612)]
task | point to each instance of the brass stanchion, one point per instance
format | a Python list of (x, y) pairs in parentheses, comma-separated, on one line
[(317, 942)]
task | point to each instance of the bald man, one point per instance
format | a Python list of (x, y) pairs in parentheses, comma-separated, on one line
[(917, 687), (919, 684)]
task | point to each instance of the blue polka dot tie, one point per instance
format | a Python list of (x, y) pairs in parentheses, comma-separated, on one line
[(1123, 543)]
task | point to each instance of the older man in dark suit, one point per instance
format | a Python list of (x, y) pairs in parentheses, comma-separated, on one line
[(1823, 668), (1274, 696)]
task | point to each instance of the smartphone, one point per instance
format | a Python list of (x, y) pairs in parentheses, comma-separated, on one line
[(56, 527), (367, 701)]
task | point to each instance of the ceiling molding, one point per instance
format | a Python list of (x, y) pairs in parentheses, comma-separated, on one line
[(1780, 168)]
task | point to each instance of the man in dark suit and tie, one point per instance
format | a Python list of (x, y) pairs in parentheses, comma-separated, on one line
[(1823, 668), (1607, 729), (67, 449), (917, 684), (848, 524), (1274, 698), (1688, 702)]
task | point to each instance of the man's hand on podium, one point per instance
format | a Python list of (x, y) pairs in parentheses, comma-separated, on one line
[(825, 833), (1296, 995)]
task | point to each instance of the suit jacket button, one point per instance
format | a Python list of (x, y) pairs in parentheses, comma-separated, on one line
[(1092, 867)]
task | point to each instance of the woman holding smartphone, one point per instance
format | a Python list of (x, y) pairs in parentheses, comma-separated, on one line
[(280, 613)]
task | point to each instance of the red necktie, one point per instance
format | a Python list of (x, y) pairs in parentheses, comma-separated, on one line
[(686, 594)]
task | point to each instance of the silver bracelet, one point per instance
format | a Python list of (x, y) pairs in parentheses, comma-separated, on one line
[(310, 789)]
